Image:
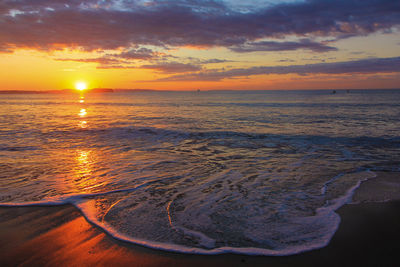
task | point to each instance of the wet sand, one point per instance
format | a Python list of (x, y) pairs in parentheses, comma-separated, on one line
[(369, 235)]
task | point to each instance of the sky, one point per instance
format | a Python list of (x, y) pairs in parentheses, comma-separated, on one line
[(200, 44)]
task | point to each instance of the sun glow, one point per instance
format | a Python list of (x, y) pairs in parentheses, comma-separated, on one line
[(81, 86)]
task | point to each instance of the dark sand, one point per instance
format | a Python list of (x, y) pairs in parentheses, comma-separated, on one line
[(369, 235)]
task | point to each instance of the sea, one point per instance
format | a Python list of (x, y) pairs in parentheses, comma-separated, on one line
[(204, 172)]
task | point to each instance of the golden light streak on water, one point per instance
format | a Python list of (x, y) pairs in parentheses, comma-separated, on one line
[(82, 112), (84, 179), (83, 163), (83, 124), (169, 214)]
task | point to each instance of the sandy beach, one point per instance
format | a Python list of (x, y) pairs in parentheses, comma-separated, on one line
[(60, 236)]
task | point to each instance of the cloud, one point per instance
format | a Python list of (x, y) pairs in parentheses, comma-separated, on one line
[(116, 66), (366, 66), (5, 50), (100, 60), (199, 61), (282, 46), (95, 24), (215, 60), (172, 67), (286, 60), (139, 53), (124, 59)]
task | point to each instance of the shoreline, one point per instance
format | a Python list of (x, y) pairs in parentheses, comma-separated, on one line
[(59, 235)]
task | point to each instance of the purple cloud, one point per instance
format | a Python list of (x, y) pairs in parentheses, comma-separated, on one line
[(282, 46), (199, 61), (374, 65), (139, 53), (172, 67), (124, 59), (214, 60), (92, 25)]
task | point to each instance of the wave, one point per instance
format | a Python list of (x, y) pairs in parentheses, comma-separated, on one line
[(143, 131), (18, 148), (324, 215)]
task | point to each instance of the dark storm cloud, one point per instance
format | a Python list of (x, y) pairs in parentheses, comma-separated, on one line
[(282, 46), (92, 25), (375, 65)]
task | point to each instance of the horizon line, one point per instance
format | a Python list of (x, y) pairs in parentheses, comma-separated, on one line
[(112, 90)]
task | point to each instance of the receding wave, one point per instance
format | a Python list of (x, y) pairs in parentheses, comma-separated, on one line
[(250, 231)]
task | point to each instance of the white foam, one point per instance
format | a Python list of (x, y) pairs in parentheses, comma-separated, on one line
[(325, 215), (325, 186)]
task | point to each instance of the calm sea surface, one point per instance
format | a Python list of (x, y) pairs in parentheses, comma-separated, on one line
[(201, 172)]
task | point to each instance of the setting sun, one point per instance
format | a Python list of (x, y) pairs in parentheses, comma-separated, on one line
[(81, 86)]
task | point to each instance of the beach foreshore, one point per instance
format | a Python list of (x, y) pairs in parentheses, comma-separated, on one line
[(368, 235)]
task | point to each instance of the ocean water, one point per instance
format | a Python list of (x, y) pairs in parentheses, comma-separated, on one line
[(200, 172)]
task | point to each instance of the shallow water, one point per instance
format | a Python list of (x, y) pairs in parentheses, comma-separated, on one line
[(201, 172)]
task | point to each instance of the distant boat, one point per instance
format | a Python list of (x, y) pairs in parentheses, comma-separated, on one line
[(334, 92)]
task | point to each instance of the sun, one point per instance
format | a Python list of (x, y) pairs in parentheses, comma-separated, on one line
[(81, 86)]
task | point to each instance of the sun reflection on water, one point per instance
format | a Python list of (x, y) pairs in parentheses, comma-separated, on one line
[(82, 112), (82, 157), (83, 124), (84, 179), (83, 169)]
